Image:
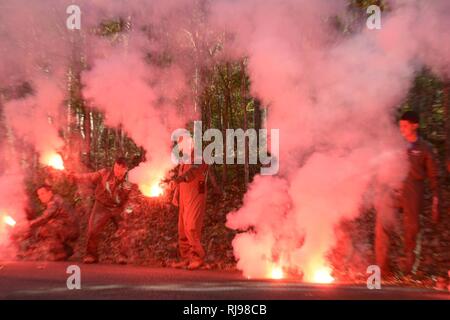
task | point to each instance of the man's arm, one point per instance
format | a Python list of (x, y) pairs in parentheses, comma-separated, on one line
[(124, 193), (90, 177), (46, 215)]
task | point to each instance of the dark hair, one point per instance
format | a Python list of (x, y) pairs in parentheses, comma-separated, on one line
[(46, 187), (411, 117), (121, 161)]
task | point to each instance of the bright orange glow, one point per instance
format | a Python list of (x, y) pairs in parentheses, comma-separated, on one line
[(9, 221), (55, 161), (276, 273), (322, 275), (152, 191)]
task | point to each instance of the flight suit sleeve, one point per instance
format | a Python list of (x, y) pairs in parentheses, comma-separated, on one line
[(91, 177), (124, 192), (432, 170), (51, 210)]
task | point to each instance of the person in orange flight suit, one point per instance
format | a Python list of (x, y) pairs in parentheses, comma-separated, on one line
[(190, 197)]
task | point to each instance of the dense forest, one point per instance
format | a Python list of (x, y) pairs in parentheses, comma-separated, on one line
[(221, 92)]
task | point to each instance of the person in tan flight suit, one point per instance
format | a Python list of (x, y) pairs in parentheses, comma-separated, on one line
[(57, 224), (191, 192), (190, 197), (111, 195)]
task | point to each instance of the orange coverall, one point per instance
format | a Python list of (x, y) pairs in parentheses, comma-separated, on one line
[(190, 196), (110, 198)]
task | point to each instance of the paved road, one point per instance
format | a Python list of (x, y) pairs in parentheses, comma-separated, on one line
[(47, 280)]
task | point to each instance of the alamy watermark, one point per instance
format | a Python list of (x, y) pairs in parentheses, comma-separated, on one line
[(74, 280), (73, 22), (374, 280), (233, 151), (374, 20)]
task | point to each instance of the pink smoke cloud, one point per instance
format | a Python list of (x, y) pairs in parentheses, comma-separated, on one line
[(333, 99)]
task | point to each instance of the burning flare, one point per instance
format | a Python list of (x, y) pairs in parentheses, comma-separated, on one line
[(152, 191), (54, 160), (322, 275), (8, 220), (276, 273)]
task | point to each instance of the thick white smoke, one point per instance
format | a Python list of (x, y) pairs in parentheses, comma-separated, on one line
[(35, 118), (12, 199), (333, 98), (119, 86), (38, 49), (35, 50), (149, 100)]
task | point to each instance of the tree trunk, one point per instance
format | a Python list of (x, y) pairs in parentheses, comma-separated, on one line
[(118, 141), (447, 121), (107, 133), (244, 106), (226, 118), (122, 141), (97, 137), (87, 133), (224, 123)]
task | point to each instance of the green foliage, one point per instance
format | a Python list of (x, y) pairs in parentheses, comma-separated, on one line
[(364, 4), (222, 96), (426, 97), (112, 27)]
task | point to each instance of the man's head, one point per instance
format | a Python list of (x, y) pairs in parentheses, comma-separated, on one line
[(120, 168), (409, 124), (45, 193)]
